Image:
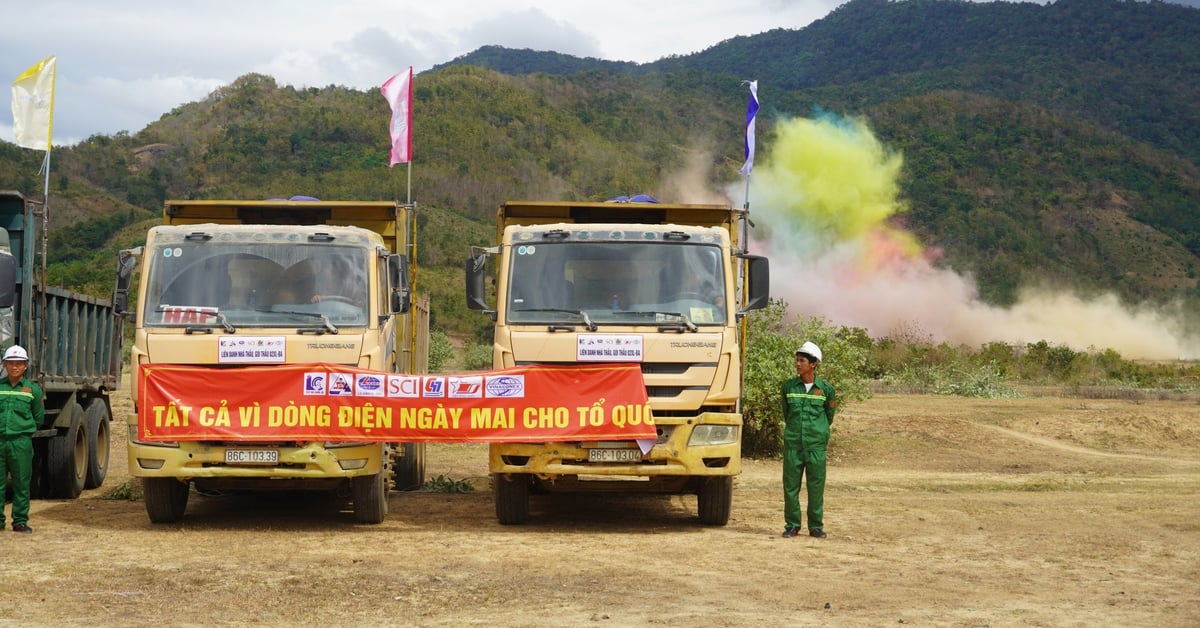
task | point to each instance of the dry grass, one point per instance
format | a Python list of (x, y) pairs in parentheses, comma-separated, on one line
[(941, 511)]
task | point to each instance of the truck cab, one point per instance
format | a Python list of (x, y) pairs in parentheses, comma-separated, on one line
[(236, 283), (661, 285)]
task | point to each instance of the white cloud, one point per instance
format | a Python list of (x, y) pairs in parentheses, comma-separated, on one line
[(124, 63)]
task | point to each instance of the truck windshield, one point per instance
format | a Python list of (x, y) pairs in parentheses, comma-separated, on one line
[(627, 283), (255, 285)]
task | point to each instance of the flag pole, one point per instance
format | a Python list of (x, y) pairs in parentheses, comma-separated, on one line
[(748, 165)]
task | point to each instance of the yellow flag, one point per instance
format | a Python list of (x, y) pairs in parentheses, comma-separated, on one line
[(33, 105)]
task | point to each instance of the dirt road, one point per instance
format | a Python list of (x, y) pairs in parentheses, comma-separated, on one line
[(940, 511)]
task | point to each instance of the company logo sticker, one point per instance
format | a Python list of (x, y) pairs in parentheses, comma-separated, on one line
[(403, 386), (341, 385), (433, 387), (469, 387), (367, 385), (314, 383), (506, 386)]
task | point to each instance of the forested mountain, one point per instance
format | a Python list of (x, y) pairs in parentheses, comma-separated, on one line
[(1053, 140)]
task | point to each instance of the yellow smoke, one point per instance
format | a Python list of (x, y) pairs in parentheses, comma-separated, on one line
[(824, 199)]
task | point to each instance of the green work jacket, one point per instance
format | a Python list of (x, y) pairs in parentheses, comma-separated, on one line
[(807, 415), (21, 408)]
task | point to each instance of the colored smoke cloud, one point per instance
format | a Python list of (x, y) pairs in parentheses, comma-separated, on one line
[(821, 200)]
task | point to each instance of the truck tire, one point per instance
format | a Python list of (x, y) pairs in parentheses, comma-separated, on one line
[(99, 425), (369, 493), (511, 493), (67, 457), (166, 499), (410, 467), (39, 484), (715, 500)]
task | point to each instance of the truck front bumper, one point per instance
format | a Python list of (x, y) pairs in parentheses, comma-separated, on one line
[(310, 461), (671, 455)]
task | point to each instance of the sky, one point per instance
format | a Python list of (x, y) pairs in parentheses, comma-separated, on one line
[(122, 64)]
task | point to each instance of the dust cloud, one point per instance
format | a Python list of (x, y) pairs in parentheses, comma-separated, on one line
[(821, 201)]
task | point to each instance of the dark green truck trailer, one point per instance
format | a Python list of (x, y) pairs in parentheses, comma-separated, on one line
[(74, 346)]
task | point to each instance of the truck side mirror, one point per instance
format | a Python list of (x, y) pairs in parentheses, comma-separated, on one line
[(8, 279), (401, 297), (126, 263), (476, 288), (758, 286)]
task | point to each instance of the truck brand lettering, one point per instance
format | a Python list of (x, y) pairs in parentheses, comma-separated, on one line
[(693, 345), (331, 345)]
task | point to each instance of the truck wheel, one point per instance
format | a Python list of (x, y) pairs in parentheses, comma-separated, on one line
[(715, 500), (98, 422), (512, 498), (369, 493), (67, 456), (39, 484), (166, 499), (410, 467)]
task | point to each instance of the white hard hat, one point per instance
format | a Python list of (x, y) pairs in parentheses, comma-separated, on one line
[(810, 349), (16, 352)]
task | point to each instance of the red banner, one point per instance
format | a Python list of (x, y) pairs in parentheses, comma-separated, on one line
[(329, 402)]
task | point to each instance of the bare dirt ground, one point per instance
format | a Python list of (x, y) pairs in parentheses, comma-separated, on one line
[(1042, 511)]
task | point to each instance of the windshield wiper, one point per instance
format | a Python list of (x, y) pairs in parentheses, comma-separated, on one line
[(587, 320), (329, 327), (686, 323)]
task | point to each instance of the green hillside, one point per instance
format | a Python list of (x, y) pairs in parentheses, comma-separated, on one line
[(1041, 142)]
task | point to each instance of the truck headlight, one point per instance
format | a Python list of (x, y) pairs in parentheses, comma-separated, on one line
[(713, 435)]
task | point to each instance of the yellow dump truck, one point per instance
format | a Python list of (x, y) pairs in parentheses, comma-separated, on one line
[(661, 285), (301, 281)]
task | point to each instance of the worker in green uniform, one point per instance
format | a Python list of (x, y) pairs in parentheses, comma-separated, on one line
[(808, 407), (21, 413)]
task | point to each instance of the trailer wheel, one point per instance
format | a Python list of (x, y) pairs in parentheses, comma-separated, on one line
[(511, 493), (67, 456), (410, 467), (166, 499), (715, 500), (98, 421), (369, 493)]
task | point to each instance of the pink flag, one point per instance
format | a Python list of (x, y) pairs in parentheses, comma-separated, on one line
[(398, 92)]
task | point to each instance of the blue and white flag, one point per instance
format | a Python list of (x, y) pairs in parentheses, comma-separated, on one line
[(751, 113)]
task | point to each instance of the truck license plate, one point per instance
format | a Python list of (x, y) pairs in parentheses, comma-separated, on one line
[(251, 456), (614, 455)]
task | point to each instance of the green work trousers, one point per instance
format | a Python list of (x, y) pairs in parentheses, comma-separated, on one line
[(16, 461), (798, 464)]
